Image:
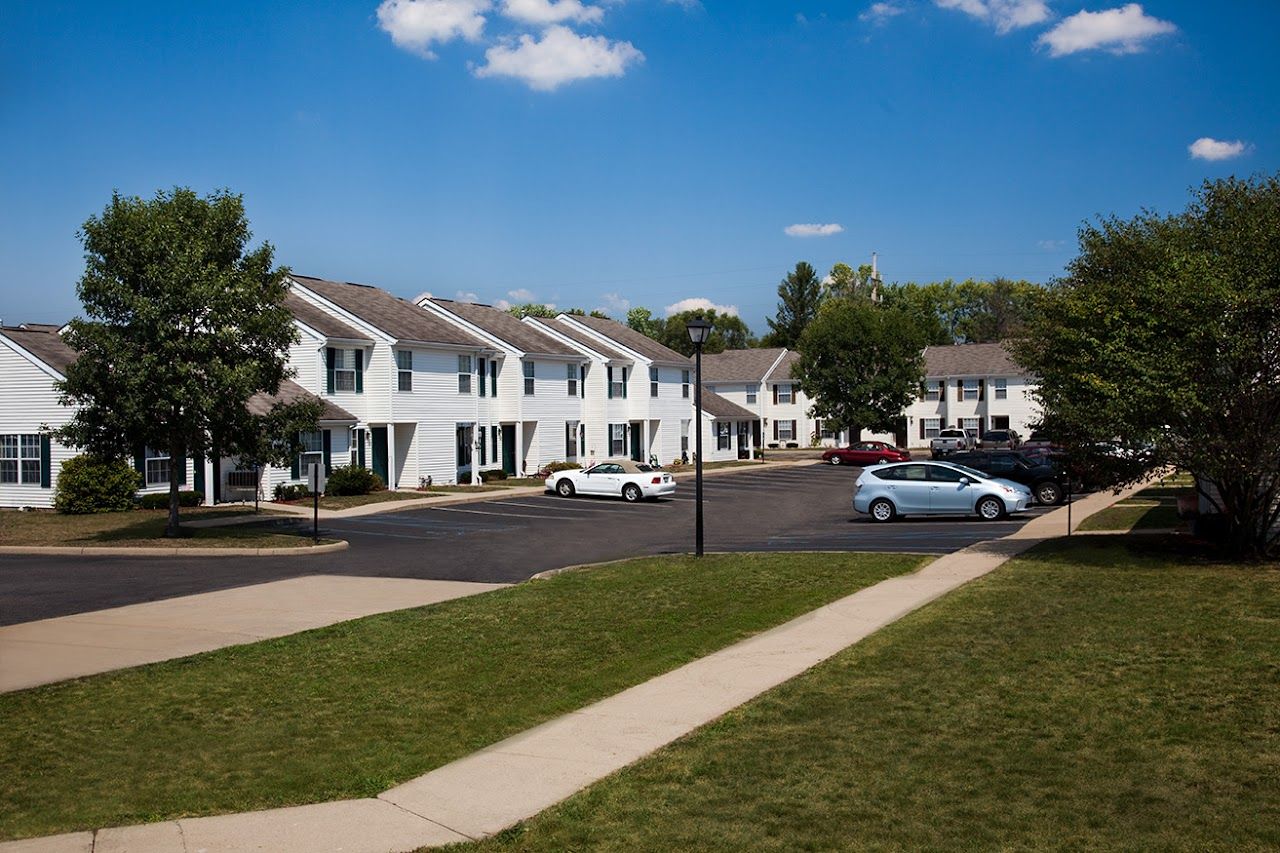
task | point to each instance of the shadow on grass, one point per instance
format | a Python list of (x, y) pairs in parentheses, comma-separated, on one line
[(1144, 552), (153, 529)]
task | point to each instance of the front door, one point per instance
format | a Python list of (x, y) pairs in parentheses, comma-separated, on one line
[(509, 449), (755, 434), (380, 452), (635, 443), (464, 437)]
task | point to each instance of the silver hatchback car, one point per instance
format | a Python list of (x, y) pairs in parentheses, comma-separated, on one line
[(935, 488)]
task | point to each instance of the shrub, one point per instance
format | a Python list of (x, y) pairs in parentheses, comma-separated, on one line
[(287, 492), (561, 466), (490, 476), (87, 484), (160, 500), (353, 480), (793, 445)]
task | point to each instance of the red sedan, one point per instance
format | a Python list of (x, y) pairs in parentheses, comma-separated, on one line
[(865, 453)]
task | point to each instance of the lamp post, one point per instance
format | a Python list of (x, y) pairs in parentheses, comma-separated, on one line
[(699, 330)]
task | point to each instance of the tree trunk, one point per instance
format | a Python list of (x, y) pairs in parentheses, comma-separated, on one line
[(177, 457)]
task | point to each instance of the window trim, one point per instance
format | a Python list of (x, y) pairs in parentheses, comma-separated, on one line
[(786, 397), (404, 371), (465, 367), (653, 382), (966, 390), (571, 379), (1000, 388), (529, 372), (684, 384), (22, 444)]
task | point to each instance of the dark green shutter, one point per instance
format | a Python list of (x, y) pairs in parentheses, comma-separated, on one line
[(608, 378), (493, 378), (140, 462), (484, 373), (182, 471), (327, 443), (359, 371), (46, 473), (295, 470), (328, 364), (198, 465), (624, 383), (360, 448), (582, 380)]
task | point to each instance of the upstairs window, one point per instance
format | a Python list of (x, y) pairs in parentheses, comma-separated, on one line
[(783, 394), (684, 384), (404, 370), (344, 369), (1002, 388), (617, 386), (970, 389), (527, 367), (653, 381), (571, 377), (464, 374), (933, 390), (751, 394)]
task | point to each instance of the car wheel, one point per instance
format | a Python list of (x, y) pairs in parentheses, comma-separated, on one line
[(835, 460), (882, 510), (565, 488), (1049, 493), (991, 509), (631, 493), (881, 461)]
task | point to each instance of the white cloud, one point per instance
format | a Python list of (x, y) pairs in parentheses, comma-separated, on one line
[(502, 305), (522, 294), (878, 13), (698, 303), (1050, 245), (1207, 148), (416, 25), (1005, 15), (1122, 30), (802, 229), (543, 12), (466, 296), (562, 56), (614, 305)]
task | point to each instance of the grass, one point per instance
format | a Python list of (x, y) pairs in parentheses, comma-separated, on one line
[(1153, 508), (1095, 694), (352, 709), (349, 501), (139, 528), (490, 487)]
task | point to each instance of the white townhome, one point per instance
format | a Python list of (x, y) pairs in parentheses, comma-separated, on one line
[(760, 380), (530, 389), (972, 386)]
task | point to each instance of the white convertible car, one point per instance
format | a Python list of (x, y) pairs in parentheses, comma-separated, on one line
[(614, 478)]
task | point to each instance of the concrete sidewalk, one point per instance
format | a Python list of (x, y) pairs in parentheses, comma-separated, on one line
[(49, 650), (515, 779)]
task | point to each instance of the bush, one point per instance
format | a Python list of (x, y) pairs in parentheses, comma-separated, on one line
[(490, 476), (353, 480), (793, 445), (160, 500), (87, 484), (561, 466), (287, 492)]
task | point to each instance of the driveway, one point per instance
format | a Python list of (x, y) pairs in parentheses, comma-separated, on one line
[(509, 539)]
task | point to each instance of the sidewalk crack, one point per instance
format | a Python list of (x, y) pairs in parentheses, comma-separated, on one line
[(430, 820)]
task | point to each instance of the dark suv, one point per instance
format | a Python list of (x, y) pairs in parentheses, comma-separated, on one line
[(1048, 485)]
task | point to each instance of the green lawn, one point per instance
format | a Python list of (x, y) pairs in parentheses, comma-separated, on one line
[(1091, 695), (352, 709), (349, 501), (140, 527), (1153, 508)]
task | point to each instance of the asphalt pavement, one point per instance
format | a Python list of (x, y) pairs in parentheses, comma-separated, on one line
[(509, 539)]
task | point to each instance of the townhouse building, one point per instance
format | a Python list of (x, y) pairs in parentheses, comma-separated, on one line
[(977, 387), (761, 381)]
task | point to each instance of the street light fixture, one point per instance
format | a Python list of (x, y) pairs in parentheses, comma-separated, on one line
[(699, 329)]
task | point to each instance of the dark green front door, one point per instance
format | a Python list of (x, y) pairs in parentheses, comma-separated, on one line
[(509, 449), (380, 452), (635, 443)]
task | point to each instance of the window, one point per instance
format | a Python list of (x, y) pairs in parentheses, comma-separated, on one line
[(344, 369), (784, 394), (527, 367), (464, 374), (722, 436), (312, 453), (751, 394), (571, 440), (481, 372), (156, 467), (20, 459), (684, 437), (617, 388), (973, 425), (999, 421), (932, 426), (786, 430), (970, 389), (404, 369), (933, 389), (653, 381), (617, 439), (1002, 388), (684, 384), (571, 375)]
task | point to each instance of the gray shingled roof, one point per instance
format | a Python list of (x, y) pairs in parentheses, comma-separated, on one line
[(782, 372), (632, 340), (739, 365), (45, 344), (291, 392), (506, 327), (719, 407), (970, 360), (322, 321), (583, 338), (397, 317)]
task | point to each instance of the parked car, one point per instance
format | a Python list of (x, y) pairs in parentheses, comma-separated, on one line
[(616, 478), (1000, 438), (935, 488), (865, 453), (952, 440), (1040, 440), (1048, 483)]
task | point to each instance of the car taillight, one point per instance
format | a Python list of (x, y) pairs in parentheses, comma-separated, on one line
[(657, 480)]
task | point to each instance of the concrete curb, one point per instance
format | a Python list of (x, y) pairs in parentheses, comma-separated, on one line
[(164, 551)]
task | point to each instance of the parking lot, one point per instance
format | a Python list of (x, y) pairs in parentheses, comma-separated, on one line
[(510, 538)]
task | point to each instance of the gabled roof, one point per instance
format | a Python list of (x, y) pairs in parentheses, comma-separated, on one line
[(583, 338), (782, 372), (970, 360), (739, 365), (322, 321), (720, 408), (396, 317), (43, 342), (631, 339), (506, 327), (292, 392)]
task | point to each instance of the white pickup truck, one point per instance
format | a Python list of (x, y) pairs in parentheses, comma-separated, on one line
[(952, 440)]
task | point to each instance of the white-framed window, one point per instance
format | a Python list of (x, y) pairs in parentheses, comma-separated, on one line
[(571, 440), (751, 394), (404, 370), (618, 384), (684, 384), (973, 425), (617, 439), (933, 389), (156, 466), (786, 430), (527, 368), (464, 374), (970, 389), (344, 370), (722, 436), (653, 381), (784, 394), (20, 459), (932, 426), (684, 436), (1001, 387), (571, 376), (312, 451)]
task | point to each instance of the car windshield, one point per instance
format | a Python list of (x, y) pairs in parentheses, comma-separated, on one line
[(970, 471)]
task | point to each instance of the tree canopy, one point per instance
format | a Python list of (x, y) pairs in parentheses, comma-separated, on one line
[(184, 324), (974, 312), (1164, 337), (728, 331), (799, 296)]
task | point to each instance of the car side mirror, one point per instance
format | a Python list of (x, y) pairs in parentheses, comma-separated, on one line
[(964, 481)]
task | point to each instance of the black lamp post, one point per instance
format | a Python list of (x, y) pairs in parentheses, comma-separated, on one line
[(699, 329)]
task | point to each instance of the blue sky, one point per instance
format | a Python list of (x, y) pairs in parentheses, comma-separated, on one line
[(605, 154)]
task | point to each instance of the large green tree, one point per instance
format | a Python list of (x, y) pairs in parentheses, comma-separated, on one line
[(799, 296), (184, 324), (1164, 337), (728, 331), (970, 311), (862, 364)]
